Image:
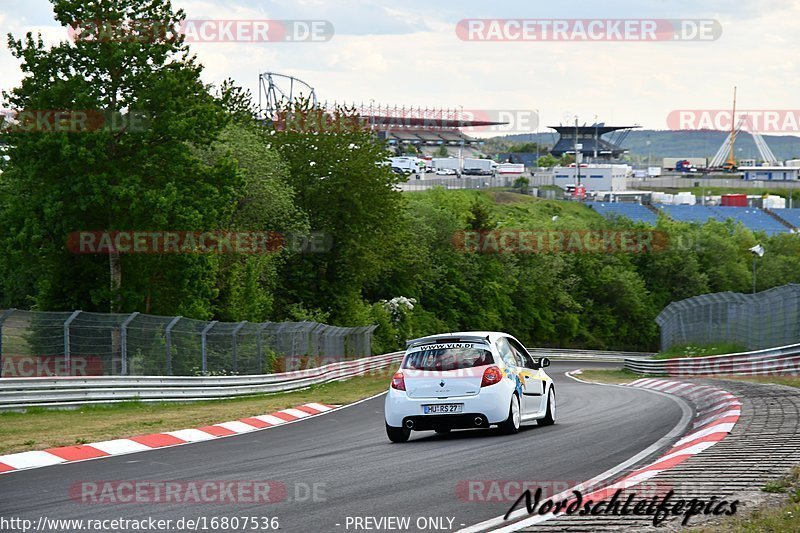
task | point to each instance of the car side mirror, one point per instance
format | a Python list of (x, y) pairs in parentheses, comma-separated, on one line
[(544, 362)]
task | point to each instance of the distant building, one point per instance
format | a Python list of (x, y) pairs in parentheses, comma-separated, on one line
[(526, 158), (770, 173), (593, 177)]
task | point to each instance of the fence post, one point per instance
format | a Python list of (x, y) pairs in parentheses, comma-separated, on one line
[(3, 318), (168, 337), (123, 341), (203, 343), (67, 322), (234, 364), (259, 355)]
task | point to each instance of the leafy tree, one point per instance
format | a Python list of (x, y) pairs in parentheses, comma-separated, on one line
[(132, 178), (547, 161), (529, 147), (566, 159), (521, 183), (441, 151), (334, 169)]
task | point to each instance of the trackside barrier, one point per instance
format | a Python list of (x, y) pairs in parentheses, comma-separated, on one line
[(569, 354), (783, 360), (20, 393)]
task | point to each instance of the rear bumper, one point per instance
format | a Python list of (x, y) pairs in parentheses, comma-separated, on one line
[(459, 421), (492, 404)]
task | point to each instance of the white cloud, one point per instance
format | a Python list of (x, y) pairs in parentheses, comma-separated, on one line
[(411, 56)]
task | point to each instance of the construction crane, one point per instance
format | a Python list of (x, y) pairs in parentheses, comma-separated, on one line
[(730, 165), (724, 158)]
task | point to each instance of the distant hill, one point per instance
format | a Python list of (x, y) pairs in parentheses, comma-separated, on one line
[(699, 143)]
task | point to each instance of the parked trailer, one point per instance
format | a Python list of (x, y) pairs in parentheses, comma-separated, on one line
[(510, 168), (479, 167), (447, 162)]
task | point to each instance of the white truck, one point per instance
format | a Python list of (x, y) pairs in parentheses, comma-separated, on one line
[(453, 163), (669, 163), (479, 167), (408, 165), (510, 168)]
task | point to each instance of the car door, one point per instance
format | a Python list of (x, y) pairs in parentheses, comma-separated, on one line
[(532, 381)]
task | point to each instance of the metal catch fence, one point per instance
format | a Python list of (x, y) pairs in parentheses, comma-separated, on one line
[(762, 320), (77, 343)]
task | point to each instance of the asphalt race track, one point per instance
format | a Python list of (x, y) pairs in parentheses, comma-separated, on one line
[(345, 458)]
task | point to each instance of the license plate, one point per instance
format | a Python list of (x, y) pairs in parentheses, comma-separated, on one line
[(442, 408)]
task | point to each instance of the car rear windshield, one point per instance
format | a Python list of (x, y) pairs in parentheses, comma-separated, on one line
[(447, 358)]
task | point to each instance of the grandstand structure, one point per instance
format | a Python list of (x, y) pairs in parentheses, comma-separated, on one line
[(635, 212), (594, 146), (770, 222), (426, 129)]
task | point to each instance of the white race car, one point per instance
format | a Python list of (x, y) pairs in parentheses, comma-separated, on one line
[(468, 380)]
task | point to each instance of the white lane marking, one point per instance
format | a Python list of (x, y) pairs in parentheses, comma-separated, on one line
[(190, 435), (30, 459), (691, 450), (269, 419), (297, 413), (708, 419), (716, 428), (319, 406), (722, 404), (236, 426), (119, 446)]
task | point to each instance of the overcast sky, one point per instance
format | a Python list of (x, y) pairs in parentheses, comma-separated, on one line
[(408, 53)]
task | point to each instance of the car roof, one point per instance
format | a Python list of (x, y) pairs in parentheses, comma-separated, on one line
[(491, 335)]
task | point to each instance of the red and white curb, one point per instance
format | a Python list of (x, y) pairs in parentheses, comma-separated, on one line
[(83, 452), (716, 413)]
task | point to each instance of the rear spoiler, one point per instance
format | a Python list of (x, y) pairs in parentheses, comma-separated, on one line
[(444, 339)]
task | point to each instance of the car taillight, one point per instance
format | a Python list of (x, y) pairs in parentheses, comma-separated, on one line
[(398, 381), (491, 376)]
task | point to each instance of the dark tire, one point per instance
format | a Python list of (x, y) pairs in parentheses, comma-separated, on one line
[(550, 414), (511, 424), (400, 434), (442, 431)]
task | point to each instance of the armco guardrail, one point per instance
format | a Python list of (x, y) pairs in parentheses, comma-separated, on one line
[(20, 393), (588, 355), (783, 360)]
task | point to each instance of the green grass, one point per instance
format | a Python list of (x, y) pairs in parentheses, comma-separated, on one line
[(693, 350), (39, 428)]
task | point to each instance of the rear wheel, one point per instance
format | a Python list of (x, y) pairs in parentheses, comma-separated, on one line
[(511, 424), (550, 414), (400, 434)]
